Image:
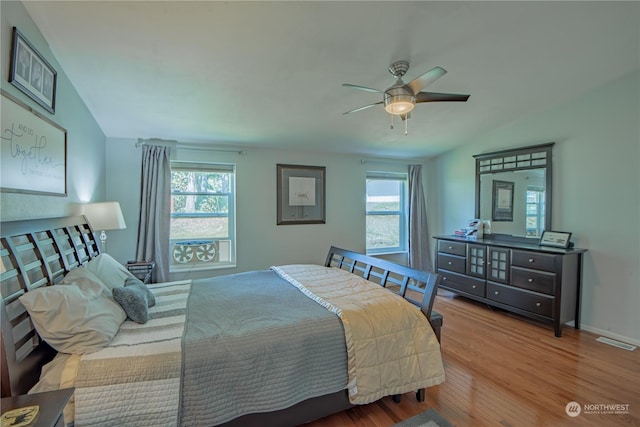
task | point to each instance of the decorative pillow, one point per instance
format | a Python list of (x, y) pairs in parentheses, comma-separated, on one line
[(111, 272), (151, 299), (72, 320), (133, 299)]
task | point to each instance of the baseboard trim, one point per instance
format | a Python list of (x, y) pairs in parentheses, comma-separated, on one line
[(607, 334)]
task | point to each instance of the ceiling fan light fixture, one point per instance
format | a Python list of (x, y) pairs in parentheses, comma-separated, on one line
[(399, 105)]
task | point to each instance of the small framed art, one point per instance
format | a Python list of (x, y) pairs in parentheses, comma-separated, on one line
[(502, 201), (558, 239), (301, 194), (31, 73)]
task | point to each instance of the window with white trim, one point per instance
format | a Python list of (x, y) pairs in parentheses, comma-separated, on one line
[(386, 212), (202, 230)]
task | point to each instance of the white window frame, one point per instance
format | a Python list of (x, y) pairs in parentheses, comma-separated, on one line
[(403, 213), (231, 217)]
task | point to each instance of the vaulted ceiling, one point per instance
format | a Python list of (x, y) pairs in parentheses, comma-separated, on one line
[(269, 74)]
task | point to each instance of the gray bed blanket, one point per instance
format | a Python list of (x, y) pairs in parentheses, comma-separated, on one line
[(254, 343)]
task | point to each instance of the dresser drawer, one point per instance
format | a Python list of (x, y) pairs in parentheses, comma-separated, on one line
[(533, 280), (533, 260), (519, 298), (453, 248), (452, 263), (461, 283)]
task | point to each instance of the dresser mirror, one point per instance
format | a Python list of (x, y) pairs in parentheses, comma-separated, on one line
[(513, 191)]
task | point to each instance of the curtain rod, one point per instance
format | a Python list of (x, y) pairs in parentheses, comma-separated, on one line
[(175, 144), (386, 162)]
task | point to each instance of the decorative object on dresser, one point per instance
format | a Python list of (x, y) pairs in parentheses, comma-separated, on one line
[(104, 216)]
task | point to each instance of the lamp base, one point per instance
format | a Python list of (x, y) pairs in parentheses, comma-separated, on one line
[(103, 241)]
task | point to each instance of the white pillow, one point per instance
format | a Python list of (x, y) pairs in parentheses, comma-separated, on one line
[(87, 281), (72, 320), (108, 270)]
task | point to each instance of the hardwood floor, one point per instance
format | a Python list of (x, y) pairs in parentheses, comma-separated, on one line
[(503, 370)]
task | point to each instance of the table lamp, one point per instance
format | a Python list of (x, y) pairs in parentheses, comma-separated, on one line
[(104, 216)]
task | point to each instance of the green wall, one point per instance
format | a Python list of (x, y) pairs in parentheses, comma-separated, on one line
[(85, 140)]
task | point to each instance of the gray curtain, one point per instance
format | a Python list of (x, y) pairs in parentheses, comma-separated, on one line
[(155, 204), (419, 254)]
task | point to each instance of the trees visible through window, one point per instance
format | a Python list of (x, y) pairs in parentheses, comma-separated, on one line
[(386, 212), (202, 232), (535, 211)]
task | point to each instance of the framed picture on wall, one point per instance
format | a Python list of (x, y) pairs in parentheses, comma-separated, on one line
[(33, 154), (301, 194), (31, 73), (502, 209)]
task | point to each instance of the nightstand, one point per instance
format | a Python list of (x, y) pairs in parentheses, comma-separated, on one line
[(141, 269), (51, 405)]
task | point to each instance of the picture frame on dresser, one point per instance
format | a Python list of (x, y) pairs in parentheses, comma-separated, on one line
[(31, 73), (558, 239)]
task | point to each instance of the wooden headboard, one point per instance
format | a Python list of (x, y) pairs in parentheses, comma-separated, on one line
[(34, 253)]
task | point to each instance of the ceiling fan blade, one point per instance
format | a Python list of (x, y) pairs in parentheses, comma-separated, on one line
[(363, 108), (440, 97), (368, 89), (429, 77)]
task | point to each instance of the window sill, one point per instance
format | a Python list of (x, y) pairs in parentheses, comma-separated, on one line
[(390, 252), (200, 267)]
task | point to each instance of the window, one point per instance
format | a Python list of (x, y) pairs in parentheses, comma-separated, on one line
[(535, 211), (386, 212), (202, 230)]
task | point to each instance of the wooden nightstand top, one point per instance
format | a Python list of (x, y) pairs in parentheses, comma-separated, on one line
[(51, 405)]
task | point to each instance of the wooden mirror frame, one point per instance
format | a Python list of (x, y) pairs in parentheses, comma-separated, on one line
[(530, 157)]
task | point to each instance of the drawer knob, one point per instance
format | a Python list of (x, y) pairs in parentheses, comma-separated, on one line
[(449, 263), (473, 286), (444, 278), (530, 280), (537, 304), (496, 292), (450, 247), (530, 259)]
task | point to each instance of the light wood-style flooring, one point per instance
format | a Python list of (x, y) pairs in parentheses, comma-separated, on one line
[(504, 370)]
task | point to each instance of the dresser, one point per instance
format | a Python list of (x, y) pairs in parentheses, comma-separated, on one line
[(538, 282)]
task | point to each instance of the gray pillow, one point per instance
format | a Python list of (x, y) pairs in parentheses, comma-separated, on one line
[(133, 301), (151, 299)]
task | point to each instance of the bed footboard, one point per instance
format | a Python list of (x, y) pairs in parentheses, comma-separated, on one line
[(402, 280)]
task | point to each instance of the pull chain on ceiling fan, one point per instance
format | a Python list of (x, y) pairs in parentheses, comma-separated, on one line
[(400, 99)]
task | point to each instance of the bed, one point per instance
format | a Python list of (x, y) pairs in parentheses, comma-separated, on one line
[(294, 354)]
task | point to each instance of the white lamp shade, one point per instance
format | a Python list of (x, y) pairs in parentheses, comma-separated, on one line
[(104, 215)]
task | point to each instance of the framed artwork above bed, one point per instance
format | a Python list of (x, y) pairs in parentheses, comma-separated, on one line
[(33, 156), (301, 194), (31, 73)]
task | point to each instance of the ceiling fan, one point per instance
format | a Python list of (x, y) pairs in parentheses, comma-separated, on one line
[(402, 97)]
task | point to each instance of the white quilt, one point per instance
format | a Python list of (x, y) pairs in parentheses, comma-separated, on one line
[(391, 346)]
